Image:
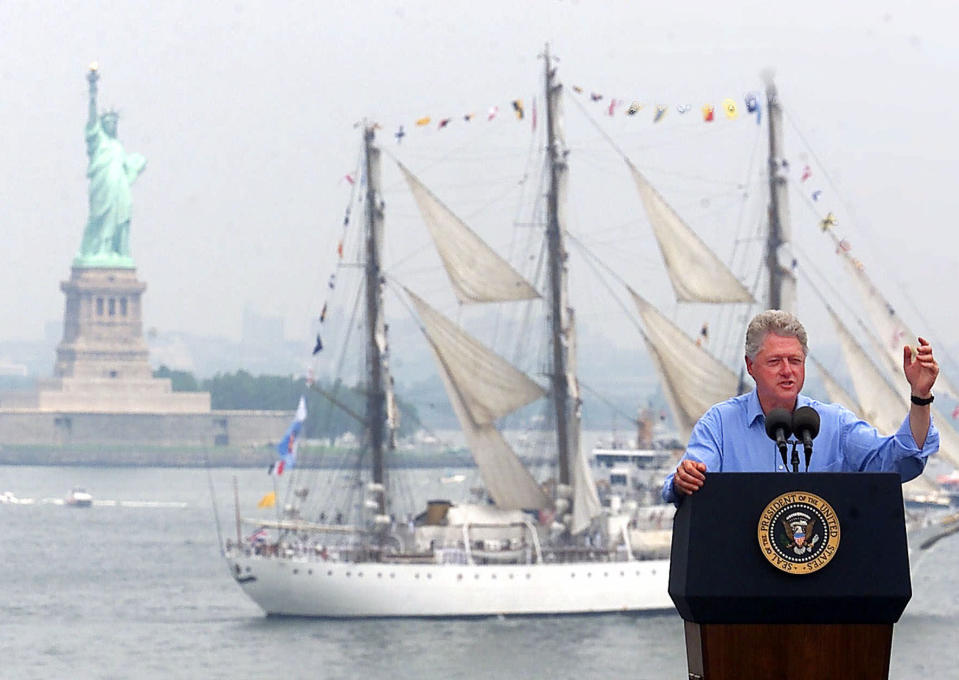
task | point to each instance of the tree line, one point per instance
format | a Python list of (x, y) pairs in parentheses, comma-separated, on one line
[(333, 408)]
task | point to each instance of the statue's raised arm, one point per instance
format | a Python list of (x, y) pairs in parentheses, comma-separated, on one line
[(93, 75), (110, 171)]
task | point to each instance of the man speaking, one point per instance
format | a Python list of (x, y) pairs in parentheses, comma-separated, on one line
[(731, 436)]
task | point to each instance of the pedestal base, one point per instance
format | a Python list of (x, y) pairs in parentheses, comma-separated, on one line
[(719, 651)]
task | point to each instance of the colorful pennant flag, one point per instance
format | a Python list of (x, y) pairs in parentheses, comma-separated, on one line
[(729, 106), (268, 501), (518, 108), (493, 110), (399, 134), (660, 112), (288, 446), (752, 106), (708, 113), (806, 174), (683, 108), (633, 109)]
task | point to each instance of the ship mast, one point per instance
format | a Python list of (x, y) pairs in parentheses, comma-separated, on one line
[(559, 313), (782, 281), (378, 378)]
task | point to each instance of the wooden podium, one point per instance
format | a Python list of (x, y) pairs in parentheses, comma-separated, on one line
[(790, 576)]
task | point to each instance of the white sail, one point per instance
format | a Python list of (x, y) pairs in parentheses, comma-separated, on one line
[(491, 387), (693, 378), (477, 273), (696, 273), (586, 503), (883, 405), (891, 331), (482, 387), (837, 393)]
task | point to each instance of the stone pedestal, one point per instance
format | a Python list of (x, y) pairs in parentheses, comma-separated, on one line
[(103, 361), (103, 327)]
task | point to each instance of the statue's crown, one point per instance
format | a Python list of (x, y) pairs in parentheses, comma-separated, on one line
[(112, 114)]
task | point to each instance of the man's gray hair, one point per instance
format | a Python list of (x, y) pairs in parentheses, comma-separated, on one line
[(774, 321)]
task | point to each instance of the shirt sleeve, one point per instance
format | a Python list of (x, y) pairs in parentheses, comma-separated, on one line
[(866, 450), (705, 446)]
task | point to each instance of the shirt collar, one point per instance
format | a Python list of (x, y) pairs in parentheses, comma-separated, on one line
[(754, 411)]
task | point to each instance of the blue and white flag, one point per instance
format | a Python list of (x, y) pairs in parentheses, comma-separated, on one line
[(287, 447)]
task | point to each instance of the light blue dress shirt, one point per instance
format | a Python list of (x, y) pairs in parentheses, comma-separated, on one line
[(731, 437)]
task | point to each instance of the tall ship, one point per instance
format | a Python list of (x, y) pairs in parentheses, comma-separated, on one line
[(530, 542)]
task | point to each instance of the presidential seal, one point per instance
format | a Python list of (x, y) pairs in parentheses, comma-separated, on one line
[(798, 533)]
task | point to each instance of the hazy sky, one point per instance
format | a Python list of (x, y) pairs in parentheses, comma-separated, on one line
[(245, 113)]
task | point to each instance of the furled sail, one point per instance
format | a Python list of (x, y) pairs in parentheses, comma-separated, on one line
[(586, 503), (693, 378), (696, 273), (477, 273), (482, 387), (891, 330)]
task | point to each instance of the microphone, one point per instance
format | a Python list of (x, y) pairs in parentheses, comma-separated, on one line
[(778, 428), (805, 424)]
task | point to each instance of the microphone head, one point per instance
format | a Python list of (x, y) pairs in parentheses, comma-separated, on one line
[(805, 419), (779, 419)]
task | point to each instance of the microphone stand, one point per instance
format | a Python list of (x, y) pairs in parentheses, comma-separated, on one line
[(794, 459)]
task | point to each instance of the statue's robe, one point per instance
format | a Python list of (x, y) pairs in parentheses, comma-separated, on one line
[(111, 171)]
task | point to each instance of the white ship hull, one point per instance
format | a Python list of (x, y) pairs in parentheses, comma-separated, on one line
[(301, 587)]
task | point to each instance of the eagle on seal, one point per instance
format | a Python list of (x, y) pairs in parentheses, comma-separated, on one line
[(797, 537)]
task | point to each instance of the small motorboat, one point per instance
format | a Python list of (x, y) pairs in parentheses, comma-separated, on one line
[(79, 498)]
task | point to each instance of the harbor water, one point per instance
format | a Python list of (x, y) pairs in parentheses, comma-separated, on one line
[(134, 587)]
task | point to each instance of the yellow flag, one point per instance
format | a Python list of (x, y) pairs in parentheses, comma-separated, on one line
[(268, 501), (425, 120), (730, 107)]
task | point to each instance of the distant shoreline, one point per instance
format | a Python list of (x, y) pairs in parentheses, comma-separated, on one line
[(213, 457)]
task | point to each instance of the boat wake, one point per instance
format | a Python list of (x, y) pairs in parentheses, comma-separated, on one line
[(8, 498)]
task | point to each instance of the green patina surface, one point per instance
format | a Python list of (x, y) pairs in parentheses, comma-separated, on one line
[(111, 172)]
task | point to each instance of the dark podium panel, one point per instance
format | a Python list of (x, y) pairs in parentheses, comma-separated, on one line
[(747, 618)]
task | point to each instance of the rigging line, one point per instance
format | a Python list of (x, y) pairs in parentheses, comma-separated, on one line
[(590, 257), (445, 157), (915, 309), (326, 424), (822, 167), (836, 295), (618, 149), (610, 404), (740, 220), (216, 512)]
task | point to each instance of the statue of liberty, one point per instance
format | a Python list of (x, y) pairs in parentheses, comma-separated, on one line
[(111, 171)]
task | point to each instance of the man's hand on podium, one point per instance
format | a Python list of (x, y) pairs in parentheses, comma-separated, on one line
[(690, 475)]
